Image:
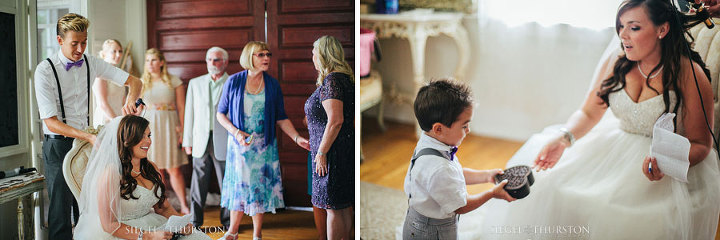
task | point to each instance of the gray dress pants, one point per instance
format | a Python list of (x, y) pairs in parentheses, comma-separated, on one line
[(417, 226), (202, 170), (62, 201)]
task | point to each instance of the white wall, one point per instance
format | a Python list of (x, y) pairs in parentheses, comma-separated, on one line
[(523, 78), (124, 20)]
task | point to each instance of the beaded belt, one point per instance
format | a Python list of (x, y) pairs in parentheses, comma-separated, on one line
[(163, 107)]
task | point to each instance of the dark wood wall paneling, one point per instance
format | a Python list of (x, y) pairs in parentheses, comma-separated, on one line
[(185, 29)]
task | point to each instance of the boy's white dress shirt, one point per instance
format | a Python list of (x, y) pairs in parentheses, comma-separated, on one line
[(437, 187)]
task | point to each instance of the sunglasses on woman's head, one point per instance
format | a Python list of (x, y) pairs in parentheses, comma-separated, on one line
[(263, 54)]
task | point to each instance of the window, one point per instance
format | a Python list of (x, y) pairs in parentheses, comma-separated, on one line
[(8, 82), (48, 12)]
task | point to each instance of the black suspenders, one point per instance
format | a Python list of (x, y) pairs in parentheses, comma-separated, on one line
[(425, 151), (422, 152), (57, 80)]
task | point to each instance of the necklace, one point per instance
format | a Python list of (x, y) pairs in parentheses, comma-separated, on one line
[(259, 88), (652, 76), (136, 172)]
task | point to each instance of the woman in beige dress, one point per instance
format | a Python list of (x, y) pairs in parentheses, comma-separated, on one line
[(164, 96), (109, 97)]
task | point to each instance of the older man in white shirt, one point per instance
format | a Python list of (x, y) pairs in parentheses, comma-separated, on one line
[(62, 89), (203, 137)]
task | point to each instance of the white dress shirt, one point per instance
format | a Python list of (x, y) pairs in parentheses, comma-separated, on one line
[(74, 88), (437, 186)]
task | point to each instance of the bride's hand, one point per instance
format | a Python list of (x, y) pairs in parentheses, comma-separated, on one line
[(157, 235), (187, 230), (550, 154), (656, 174)]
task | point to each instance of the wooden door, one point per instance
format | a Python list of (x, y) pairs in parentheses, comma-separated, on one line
[(185, 29), (293, 26)]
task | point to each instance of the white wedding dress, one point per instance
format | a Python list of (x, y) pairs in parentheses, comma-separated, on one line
[(102, 210), (139, 214), (597, 189)]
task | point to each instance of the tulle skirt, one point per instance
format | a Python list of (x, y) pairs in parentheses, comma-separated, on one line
[(597, 191)]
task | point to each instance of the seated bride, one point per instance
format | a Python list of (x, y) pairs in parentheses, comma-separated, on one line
[(602, 181), (122, 194)]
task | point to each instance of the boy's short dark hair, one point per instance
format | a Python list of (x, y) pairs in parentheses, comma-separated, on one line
[(441, 101)]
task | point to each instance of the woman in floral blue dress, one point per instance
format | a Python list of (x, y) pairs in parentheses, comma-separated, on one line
[(330, 111), (250, 106)]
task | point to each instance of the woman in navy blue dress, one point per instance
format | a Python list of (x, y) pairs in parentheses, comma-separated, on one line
[(330, 112)]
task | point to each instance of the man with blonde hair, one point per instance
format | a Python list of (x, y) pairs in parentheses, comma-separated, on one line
[(62, 89), (204, 138)]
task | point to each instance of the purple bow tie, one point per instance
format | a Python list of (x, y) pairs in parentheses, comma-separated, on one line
[(71, 64), (453, 150)]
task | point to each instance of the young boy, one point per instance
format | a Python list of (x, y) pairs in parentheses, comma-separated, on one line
[(435, 182)]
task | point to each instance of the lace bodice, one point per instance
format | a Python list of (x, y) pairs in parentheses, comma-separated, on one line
[(638, 118), (137, 208)]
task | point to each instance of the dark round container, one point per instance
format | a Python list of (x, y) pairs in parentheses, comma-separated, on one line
[(520, 178)]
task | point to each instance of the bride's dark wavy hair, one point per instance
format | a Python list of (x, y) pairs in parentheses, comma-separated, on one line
[(673, 48), (130, 133)]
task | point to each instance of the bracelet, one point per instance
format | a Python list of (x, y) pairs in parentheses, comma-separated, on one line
[(236, 132), (568, 136), (320, 153), (296, 136)]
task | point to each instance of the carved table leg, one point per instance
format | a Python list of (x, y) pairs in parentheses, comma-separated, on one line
[(21, 219)]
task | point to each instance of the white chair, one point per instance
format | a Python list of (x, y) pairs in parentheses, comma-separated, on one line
[(75, 163), (371, 94)]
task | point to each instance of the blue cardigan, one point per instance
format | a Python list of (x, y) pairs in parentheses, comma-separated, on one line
[(231, 103)]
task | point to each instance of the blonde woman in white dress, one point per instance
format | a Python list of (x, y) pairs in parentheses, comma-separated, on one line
[(109, 97), (164, 96)]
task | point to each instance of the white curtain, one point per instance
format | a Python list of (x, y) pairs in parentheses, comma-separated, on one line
[(533, 61), (591, 14)]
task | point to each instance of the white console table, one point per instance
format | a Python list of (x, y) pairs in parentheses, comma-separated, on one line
[(416, 29)]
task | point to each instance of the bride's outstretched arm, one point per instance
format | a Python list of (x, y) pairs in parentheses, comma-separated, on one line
[(580, 122)]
